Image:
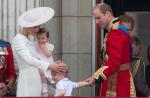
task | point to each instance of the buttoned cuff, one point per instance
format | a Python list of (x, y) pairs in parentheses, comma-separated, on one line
[(100, 73)]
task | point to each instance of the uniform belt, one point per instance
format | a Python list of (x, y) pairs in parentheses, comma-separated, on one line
[(112, 81), (124, 67)]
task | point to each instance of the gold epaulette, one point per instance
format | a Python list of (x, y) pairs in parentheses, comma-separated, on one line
[(99, 72), (115, 25)]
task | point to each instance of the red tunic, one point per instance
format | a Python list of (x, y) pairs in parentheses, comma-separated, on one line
[(118, 51)]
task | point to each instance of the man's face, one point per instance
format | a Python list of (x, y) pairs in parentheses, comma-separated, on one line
[(100, 18)]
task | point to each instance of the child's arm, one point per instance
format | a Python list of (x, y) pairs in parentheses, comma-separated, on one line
[(61, 93), (82, 84), (45, 50)]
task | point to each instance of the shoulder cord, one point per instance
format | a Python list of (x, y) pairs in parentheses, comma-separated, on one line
[(135, 67)]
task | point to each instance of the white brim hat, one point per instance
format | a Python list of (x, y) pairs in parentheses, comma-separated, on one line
[(35, 16)]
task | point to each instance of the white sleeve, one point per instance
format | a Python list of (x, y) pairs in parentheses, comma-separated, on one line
[(20, 48), (50, 46), (60, 86), (74, 84)]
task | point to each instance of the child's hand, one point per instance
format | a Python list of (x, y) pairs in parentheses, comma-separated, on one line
[(41, 44), (44, 49), (82, 84), (91, 81), (85, 83)]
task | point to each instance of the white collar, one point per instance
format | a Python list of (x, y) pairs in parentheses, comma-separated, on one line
[(28, 40)]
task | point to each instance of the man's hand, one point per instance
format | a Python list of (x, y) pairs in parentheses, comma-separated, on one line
[(58, 66), (42, 45), (2, 85), (3, 89), (91, 81)]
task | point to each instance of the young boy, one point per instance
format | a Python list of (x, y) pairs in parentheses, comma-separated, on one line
[(44, 52), (64, 86)]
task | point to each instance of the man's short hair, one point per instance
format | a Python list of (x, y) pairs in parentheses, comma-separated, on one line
[(103, 7)]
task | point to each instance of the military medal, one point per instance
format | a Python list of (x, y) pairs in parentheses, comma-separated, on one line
[(2, 61), (2, 58)]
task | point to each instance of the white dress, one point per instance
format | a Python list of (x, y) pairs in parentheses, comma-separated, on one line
[(29, 81), (42, 57)]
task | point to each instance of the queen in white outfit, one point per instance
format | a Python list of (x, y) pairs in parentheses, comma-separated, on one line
[(29, 81)]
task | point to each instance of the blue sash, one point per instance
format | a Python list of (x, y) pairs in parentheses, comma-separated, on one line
[(3, 44), (123, 29)]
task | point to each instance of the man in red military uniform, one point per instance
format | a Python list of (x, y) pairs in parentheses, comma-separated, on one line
[(7, 71), (114, 74)]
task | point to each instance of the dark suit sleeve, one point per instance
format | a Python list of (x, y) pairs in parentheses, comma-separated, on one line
[(140, 81)]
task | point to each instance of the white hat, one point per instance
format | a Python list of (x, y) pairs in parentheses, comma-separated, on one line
[(35, 16)]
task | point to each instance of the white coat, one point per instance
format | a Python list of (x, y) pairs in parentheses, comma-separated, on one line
[(29, 81)]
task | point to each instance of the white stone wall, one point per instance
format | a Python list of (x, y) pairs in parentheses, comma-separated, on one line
[(76, 34)]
